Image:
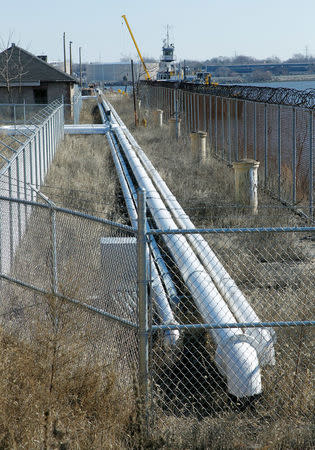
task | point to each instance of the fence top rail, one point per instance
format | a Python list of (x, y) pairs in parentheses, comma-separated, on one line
[(71, 212), (32, 127), (213, 326), (232, 230), (262, 94)]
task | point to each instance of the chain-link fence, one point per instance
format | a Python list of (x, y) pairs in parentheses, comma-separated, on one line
[(258, 286), (26, 154), (22, 113), (233, 366), (279, 136), (236, 358), (86, 265)]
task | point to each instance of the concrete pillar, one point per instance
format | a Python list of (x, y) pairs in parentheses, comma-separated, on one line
[(246, 183), (202, 141), (172, 123), (194, 141), (158, 118)]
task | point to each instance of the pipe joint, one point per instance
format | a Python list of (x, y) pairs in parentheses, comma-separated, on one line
[(171, 336), (238, 362)]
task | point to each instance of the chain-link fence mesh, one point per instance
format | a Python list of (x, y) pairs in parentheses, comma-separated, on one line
[(193, 382), (26, 154), (23, 113), (233, 367), (73, 281), (75, 271), (279, 136)]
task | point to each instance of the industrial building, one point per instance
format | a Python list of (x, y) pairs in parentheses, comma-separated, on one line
[(117, 72), (29, 78)]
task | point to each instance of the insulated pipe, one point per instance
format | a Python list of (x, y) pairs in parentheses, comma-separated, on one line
[(165, 312), (223, 281), (236, 357), (159, 261), (164, 273)]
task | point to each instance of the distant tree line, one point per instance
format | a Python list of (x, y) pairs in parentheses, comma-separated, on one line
[(243, 59), (222, 63)]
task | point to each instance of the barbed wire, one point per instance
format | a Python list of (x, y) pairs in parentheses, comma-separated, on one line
[(271, 95)]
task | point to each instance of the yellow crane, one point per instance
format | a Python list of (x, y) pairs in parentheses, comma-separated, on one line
[(147, 75)]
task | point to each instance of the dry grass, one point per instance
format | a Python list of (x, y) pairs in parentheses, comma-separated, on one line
[(52, 396), (90, 112), (82, 176)]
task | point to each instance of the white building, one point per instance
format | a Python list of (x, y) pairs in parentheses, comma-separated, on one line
[(100, 72)]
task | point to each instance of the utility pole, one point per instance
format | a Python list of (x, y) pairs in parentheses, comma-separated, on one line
[(80, 62), (64, 53), (70, 46), (134, 94)]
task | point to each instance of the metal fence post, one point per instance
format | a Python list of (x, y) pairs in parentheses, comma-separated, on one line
[(266, 145), (10, 217), (293, 156), (197, 101), (279, 152), (25, 178), (229, 129), (222, 130), (236, 131), (210, 123), (176, 112), (18, 187), (31, 149), (186, 110), (37, 160), (54, 249), (216, 124), (255, 134), (204, 113), (245, 129), (191, 124), (143, 307), (193, 113), (311, 186)]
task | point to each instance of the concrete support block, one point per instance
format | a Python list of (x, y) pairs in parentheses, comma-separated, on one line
[(198, 142), (202, 144), (246, 183), (194, 141), (158, 118), (174, 127)]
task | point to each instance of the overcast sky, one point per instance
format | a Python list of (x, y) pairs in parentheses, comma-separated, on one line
[(200, 29)]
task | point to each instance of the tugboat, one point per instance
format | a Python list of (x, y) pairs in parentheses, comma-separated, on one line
[(167, 68)]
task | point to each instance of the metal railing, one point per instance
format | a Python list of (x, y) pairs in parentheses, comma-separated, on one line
[(279, 136)]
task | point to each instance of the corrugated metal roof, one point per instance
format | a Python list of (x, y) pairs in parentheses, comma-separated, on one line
[(19, 66)]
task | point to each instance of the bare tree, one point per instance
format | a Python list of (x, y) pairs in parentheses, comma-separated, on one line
[(12, 69)]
